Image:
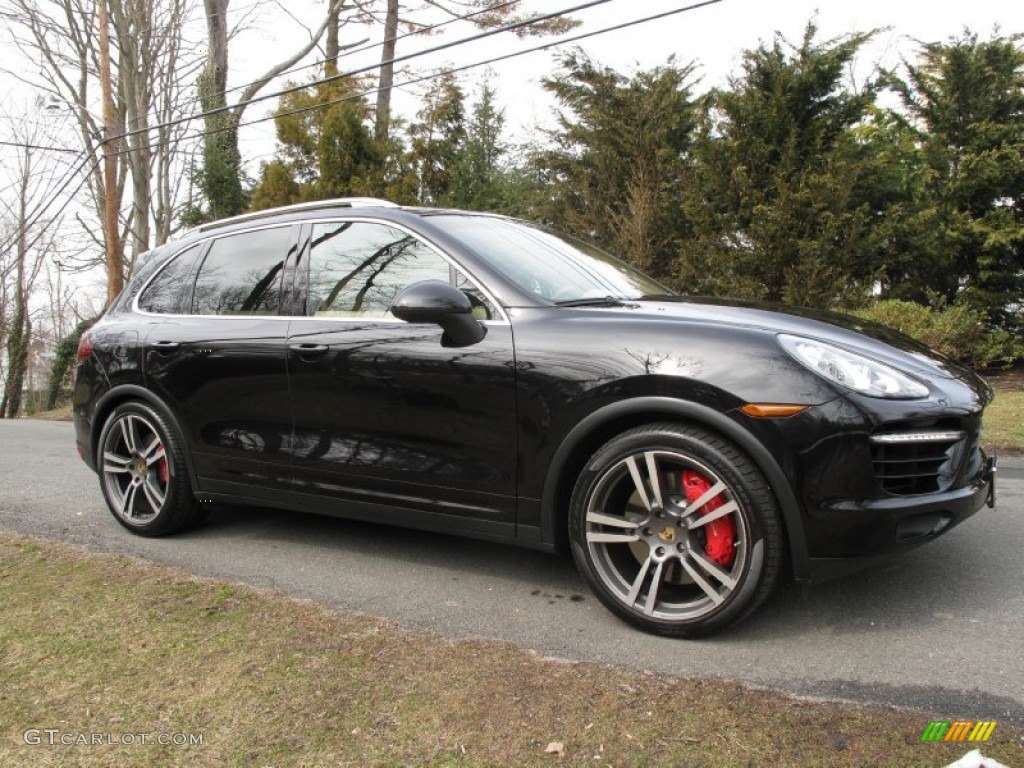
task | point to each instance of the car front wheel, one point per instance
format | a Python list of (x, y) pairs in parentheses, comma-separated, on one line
[(675, 530), (143, 473)]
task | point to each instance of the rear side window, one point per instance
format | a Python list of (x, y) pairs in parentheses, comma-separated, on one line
[(166, 292), (241, 274)]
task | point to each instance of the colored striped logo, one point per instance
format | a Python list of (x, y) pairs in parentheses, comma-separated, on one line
[(958, 730)]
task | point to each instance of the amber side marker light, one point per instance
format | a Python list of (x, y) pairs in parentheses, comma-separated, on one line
[(772, 410)]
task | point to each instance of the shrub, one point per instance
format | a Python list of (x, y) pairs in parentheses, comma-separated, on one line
[(956, 330)]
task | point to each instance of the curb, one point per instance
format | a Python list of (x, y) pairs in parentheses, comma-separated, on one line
[(1010, 461)]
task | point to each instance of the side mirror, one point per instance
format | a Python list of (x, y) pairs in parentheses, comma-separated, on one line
[(435, 301)]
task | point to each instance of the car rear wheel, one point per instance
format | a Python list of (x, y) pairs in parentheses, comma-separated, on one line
[(675, 530), (143, 473)]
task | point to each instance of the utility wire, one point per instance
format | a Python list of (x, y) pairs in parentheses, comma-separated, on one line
[(36, 216), (352, 51), (23, 145), (441, 73), (360, 70), (450, 70)]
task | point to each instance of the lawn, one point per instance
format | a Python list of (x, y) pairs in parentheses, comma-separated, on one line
[(1004, 417), (111, 650)]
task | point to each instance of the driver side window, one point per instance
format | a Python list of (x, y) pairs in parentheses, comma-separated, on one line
[(357, 268)]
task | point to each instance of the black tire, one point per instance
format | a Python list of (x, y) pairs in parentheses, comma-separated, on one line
[(660, 557), (143, 476)]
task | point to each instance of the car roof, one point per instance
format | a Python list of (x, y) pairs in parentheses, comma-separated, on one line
[(331, 205)]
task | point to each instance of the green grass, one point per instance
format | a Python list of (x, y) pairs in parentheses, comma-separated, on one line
[(98, 644), (1004, 422)]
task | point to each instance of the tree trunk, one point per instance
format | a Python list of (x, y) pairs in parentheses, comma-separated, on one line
[(387, 72), (332, 47)]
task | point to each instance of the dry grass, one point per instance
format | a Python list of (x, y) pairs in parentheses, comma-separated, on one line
[(63, 413), (1004, 417), (98, 644)]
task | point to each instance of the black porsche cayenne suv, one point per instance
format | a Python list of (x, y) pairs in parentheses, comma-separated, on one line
[(480, 375)]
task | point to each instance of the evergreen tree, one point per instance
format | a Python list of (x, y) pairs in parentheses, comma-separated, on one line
[(782, 186), (437, 138), (615, 172), (324, 151), (478, 180), (965, 102)]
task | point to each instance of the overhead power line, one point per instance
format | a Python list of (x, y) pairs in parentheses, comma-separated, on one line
[(487, 62), (352, 51), (23, 145), (434, 75), (360, 70)]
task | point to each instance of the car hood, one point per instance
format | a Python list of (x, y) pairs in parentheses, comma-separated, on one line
[(876, 341)]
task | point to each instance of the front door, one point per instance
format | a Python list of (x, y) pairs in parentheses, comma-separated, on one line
[(387, 420)]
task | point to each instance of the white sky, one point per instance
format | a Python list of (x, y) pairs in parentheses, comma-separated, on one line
[(713, 36)]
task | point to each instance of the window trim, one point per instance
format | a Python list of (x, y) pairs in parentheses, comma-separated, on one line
[(194, 274), (303, 233), (189, 280), (293, 249), (303, 272)]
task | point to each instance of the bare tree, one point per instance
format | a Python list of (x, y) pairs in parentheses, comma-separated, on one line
[(486, 14), (36, 174), (154, 70), (221, 175)]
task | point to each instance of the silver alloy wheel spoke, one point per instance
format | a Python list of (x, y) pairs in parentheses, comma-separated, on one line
[(128, 499), (724, 578), (597, 537), (638, 481), (615, 522), (128, 434), (154, 452), (154, 494), (652, 593), (638, 583), (115, 464), (711, 592), (655, 479), (704, 498), (701, 520)]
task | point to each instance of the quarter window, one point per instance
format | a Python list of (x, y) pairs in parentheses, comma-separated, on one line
[(241, 275), (357, 268), (164, 293)]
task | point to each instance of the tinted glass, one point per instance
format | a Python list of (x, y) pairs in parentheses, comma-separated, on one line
[(164, 294), (241, 275), (357, 268), (548, 265)]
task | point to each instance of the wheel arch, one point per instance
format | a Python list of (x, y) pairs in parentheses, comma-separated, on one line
[(127, 392), (603, 424)]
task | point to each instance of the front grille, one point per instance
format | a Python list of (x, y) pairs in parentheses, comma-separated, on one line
[(919, 461)]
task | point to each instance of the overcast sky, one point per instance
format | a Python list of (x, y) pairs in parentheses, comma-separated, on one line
[(713, 36)]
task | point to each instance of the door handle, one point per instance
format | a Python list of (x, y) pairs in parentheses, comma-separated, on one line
[(309, 351), (165, 346)]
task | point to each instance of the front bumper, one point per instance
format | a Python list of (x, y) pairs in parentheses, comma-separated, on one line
[(878, 529)]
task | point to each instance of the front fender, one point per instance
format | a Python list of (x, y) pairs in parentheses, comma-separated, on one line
[(599, 426)]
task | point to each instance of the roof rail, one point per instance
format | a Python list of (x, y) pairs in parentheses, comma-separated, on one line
[(337, 202)]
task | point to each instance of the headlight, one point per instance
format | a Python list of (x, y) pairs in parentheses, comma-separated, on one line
[(851, 370)]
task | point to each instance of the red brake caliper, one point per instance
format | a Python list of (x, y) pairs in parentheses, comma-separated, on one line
[(721, 532), (163, 470)]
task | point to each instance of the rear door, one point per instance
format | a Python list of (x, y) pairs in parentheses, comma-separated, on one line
[(219, 363), (384, 414)]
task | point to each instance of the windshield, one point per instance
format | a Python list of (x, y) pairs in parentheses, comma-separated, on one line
[(553, 267)]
